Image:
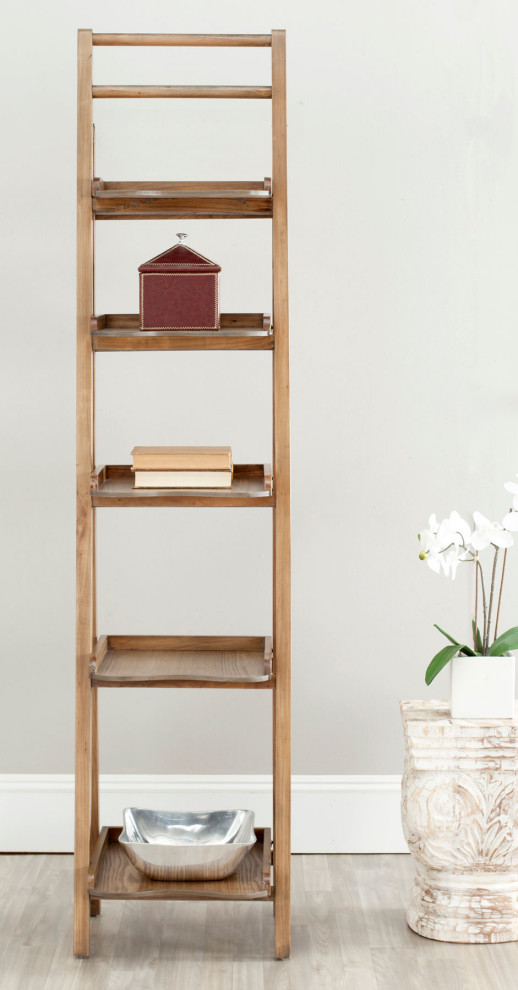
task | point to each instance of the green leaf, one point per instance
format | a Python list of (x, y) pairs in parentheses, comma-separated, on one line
[(479, 637), (463, 649), (507, 641), (440, 660)]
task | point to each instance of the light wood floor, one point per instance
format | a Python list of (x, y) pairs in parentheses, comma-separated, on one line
[(349, 933)]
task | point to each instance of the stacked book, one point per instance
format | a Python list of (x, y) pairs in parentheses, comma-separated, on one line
[(182, 467)]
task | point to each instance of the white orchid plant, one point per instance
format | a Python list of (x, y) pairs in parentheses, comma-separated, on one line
[(444, 545)]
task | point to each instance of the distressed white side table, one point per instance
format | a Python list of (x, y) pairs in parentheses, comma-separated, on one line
[(460, 818)]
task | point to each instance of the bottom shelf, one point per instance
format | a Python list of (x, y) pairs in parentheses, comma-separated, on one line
[(112, 876)]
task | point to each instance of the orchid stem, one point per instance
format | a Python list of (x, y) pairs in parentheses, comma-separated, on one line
[(491, 594), (500, 594), (484, 609), (475, 625)]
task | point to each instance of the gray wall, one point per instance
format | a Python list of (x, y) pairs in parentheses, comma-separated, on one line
[(403, 247)]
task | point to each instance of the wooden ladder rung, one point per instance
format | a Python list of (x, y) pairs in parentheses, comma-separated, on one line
[(183, 92), (187, 40)]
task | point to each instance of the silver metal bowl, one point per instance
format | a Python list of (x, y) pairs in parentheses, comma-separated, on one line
[(183, 845)]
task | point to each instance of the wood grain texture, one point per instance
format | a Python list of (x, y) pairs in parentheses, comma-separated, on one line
[(182, 661), (249, 490), (183, 185), (460, 819), (84, 447), (231, 322), (95, 906), (192, 643), (186, 40), (379, 899), (183, 92), (281, 516), (110, 192), (168, 340), (239, 332), (31, 927), (115, 878), (158, 200), (112, 485), (153, 202), (220, 945), (98, 851)]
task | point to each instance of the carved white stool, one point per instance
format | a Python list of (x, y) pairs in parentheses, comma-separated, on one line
[(460, 818)]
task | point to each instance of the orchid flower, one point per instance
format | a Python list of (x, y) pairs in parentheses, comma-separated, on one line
[(487, 533), (454, 530), (430, 546), (450, 561), (428, 540), (445, 544), (510, 521), (511, 486)]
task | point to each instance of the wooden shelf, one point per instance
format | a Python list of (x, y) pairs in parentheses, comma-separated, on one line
[(112, 876), (101, 866), (112, 487), (182, 661), (239, 332), (189, 200)]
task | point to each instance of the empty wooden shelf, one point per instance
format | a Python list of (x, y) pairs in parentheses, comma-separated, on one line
[(239, 332), (182, 661), (112, 876), (112, 486), (180, 201)]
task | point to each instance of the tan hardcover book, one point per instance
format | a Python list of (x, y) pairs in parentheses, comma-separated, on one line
[(183, 479), (182, 458)]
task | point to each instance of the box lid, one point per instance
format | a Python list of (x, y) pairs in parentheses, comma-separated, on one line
[(180, 258)]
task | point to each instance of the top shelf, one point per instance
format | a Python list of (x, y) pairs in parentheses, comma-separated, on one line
[(181, 200)]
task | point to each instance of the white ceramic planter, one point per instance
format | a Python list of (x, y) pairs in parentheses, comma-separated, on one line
[(482, 687)]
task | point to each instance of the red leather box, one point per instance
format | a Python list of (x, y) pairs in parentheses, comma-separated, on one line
[(179, 291)]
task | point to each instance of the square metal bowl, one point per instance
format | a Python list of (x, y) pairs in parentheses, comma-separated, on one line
[(184, 845)]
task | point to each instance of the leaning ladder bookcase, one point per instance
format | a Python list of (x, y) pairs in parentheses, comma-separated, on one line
[(101, 869)]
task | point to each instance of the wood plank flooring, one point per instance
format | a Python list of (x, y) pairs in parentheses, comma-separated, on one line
[(348, 925)]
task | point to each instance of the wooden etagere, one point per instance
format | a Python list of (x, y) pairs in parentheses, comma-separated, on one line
[(102, 869)]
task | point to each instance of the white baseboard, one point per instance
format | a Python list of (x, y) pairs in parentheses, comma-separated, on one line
[(330, 814)]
